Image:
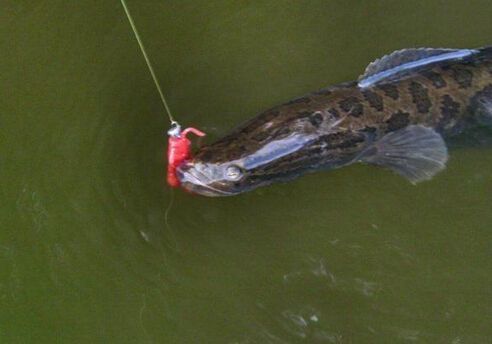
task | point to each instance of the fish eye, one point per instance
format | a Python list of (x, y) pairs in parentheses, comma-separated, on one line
[(233, 173)]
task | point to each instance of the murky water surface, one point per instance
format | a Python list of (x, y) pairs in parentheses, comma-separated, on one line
[(356, 255)]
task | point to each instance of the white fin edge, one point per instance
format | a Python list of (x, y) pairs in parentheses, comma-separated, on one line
[(373, 79)]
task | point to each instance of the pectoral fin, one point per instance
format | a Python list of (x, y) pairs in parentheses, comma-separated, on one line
[(415, 152)]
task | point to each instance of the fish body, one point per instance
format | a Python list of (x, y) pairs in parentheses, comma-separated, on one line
[(398, 115)]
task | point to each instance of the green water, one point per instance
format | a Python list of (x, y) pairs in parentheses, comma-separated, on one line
[(357, 255)]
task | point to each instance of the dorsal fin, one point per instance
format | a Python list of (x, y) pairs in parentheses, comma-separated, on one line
[(403, 60)]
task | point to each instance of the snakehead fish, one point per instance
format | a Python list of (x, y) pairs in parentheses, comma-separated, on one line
[(399, 114)]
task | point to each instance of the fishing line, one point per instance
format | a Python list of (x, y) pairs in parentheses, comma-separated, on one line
[(149, 64), (175, 128), (173, 243)]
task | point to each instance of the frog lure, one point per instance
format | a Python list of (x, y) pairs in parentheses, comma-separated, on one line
[(178, 150)]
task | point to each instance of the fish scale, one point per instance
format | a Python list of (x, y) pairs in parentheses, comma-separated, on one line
[(398, 115)]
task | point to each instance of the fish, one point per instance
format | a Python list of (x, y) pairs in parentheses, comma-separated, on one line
[(400, 114)]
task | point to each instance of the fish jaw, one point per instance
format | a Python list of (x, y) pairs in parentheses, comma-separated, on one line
[(195, 182)]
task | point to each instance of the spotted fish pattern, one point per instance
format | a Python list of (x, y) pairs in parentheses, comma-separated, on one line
[(429, 95)]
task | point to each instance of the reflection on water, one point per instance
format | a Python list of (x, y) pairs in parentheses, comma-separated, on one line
[(88, 251)]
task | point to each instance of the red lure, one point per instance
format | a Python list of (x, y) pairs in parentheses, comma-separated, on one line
[(178, 150)]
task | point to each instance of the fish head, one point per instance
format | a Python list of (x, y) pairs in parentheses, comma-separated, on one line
[(256, 154), (226, 171)]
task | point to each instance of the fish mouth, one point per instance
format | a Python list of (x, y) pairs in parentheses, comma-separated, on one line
[(197, 183)]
